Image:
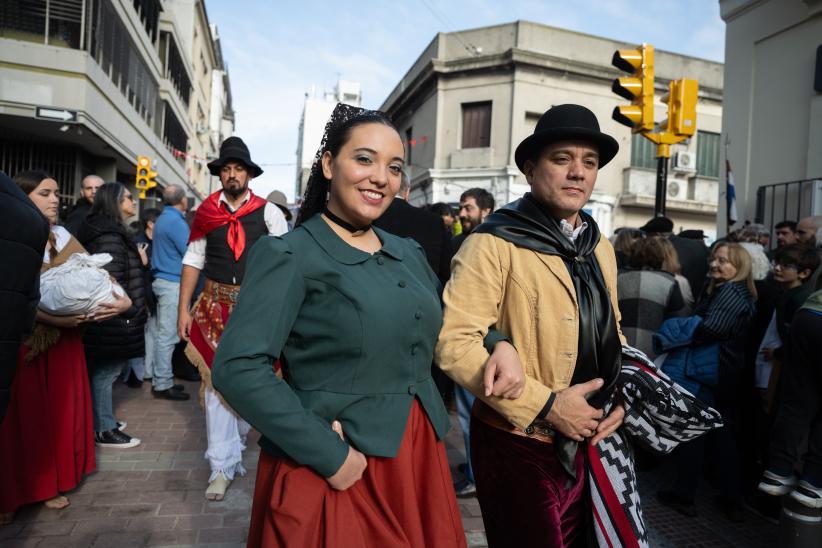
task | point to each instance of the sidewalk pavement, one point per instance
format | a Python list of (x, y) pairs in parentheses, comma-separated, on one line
[(153, 495)]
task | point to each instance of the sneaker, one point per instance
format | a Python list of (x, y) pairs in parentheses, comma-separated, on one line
[(116, 439), (171, 394), (121, 425), (807, 495), (776, 485), (465, 489), (677, 502)]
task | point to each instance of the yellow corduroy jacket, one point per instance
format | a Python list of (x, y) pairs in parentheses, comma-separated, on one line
[(527, 297)]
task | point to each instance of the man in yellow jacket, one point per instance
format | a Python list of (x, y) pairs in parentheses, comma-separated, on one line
[(531, 327)]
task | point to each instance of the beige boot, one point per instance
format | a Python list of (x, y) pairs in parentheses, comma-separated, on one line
[(217, 488)]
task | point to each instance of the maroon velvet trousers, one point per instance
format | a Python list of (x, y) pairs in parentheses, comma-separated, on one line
[(525, 496)]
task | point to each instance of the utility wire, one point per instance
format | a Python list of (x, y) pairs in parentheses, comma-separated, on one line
[(448, 25)]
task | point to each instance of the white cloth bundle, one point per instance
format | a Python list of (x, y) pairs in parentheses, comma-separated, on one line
[(77, 286)]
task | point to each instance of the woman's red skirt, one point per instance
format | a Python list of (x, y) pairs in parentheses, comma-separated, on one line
[(405, 501), (46, 438)]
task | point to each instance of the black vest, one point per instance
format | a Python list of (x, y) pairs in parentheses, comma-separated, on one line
[(220, 265)]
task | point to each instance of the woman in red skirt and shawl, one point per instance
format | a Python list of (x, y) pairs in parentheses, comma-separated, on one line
[(46, 438), (352, 451)]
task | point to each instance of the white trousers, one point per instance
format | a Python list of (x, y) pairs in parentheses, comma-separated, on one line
[(226, 438)]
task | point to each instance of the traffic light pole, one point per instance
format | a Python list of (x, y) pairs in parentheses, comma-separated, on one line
[(661, 186)]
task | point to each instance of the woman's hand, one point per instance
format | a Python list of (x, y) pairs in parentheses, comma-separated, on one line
[(352, 469), (609, 424), (504, 376), (63, 322), (106, 311)]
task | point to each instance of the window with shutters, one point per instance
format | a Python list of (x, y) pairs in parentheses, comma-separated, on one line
[(476, 125), (643, 152), (707, 154)]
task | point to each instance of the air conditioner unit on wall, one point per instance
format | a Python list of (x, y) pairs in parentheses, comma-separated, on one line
[(685, 161), (677, 189)]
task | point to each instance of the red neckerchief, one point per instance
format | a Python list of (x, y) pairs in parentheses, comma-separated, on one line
[(212, 215)]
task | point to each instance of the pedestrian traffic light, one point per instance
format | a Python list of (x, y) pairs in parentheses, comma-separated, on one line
[(638, 88), (145, 177), (681, 101)]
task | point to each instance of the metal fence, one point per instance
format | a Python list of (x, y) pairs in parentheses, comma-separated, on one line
[(790, 201)]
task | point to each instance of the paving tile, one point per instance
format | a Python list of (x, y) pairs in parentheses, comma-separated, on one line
[(95, 526), (181, 508), (11, 530), (25, 542), (121, 540), (47, 528), (172, 538), (196, 522), (151, 524), (223, 534), (134, 510)]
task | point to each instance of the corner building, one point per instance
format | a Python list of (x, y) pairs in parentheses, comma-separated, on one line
[(472, 95)]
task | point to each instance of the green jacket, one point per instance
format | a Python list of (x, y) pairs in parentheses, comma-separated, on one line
[(357, 332)]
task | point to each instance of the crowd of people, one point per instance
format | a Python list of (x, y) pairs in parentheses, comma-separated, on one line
[(341, 338)]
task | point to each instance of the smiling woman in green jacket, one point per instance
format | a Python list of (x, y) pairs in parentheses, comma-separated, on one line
[(352, 450)]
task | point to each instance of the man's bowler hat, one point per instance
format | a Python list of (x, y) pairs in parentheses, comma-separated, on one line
[(566, 123)]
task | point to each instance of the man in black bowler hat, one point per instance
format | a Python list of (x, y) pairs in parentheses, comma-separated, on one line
[(531, 328), (227, 224)]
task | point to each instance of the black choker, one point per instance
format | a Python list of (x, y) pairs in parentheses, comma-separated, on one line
[(345, 224)]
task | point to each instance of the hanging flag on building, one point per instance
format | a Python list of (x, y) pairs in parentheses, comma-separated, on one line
[(730, 194)]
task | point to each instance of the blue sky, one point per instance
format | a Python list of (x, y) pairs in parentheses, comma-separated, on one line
[(277, 50)]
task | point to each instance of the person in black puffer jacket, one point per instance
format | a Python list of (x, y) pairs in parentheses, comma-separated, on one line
[(112, 343)]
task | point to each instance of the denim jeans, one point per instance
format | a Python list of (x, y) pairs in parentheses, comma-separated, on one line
[(465, 400), (168, 295), (136, 365), (151, 338), (102, 374)]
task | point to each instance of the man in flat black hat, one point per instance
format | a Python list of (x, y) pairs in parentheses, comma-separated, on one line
[(226, 226), (535, 285)]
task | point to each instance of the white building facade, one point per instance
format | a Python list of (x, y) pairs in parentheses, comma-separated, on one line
[(773, 116), (316, 112)]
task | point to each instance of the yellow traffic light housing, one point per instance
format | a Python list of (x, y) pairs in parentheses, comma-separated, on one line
[(145, 178), (638, 88), (681, 101)]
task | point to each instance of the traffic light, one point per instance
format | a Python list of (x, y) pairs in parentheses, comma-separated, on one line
[(681, 101), (638, 88), (145, 177)]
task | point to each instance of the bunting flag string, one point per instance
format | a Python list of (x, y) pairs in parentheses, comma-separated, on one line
[(180, 154), (420, 140)]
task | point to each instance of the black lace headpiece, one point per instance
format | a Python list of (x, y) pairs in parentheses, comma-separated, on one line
[(342, 118)]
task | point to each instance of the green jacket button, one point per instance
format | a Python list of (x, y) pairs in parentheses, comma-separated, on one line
[(418, 314), (380, 260), (414, 350), (412, 389), (402, 283)]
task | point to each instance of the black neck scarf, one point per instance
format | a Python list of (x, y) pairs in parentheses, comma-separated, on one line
[(526, 224)]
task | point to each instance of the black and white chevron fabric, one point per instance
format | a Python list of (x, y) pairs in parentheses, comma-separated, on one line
[(659, 414)]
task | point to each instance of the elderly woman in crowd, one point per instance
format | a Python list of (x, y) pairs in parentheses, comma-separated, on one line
[(719, 331)]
